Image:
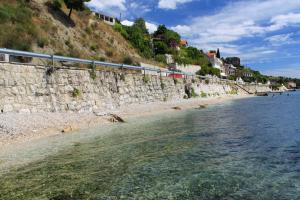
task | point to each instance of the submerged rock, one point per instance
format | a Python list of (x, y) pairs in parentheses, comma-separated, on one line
[(115, 118), (202, 107), (177, 108), (69, 129)]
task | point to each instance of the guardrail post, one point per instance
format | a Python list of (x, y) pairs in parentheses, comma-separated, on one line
[(52, 59), (6, 58), (94, 66), (173, 74)]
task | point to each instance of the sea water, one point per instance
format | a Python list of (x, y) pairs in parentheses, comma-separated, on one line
[(242, 149)]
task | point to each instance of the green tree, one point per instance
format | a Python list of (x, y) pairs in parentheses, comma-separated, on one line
[(208, 70), (140, 38), (160, 47), (166, 35), (75, 4), (141, 24), (161, 30)]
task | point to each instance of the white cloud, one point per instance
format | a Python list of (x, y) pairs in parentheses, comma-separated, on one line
[(171, 4), (282, 39), (182, 29), (281, 21), (239, 20), (150, 26), (127, 23), (256, 53), (289, 71), (112, 7)]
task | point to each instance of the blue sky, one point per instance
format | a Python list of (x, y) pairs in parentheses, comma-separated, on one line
[(265, 34)]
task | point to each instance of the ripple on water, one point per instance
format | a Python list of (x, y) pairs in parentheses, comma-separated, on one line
[(223, 152)]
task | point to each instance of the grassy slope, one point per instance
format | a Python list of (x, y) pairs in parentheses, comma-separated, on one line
[(46, 30)]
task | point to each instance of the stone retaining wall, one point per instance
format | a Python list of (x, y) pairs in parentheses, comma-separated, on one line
[(26, 88)]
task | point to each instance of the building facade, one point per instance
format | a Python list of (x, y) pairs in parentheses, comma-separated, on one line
[(292, 84), (106, 18), (230, 70), (216, 62)]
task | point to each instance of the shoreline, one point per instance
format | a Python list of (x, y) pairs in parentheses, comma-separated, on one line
[(20, 128)]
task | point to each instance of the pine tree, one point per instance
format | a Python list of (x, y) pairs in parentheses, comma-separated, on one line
[(75, 4)]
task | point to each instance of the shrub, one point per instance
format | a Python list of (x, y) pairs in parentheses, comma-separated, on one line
[(112, 41), (161, 58), (76, 93), (128, 60), (42, 42), (88, 30), (93, 74), (109, 53), (119, 27), (122, 77), (205, 70), (176, 81), (206, 81), (68, 43), (194, 94), (94, 47), (146, 79), (203, 94), (56, 4), (75, 53), (97, 58), (162, 85), (232, 92)]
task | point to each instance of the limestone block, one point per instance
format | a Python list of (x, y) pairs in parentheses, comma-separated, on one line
[(24, 110), (14, 91), (8, 108)]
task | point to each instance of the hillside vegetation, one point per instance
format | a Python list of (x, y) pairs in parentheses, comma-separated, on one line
[(43, 26), (162, 41)]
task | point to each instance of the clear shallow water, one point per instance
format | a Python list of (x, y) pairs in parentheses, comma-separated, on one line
[(246, 149)]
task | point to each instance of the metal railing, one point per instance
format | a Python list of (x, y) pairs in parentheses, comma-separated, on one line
[(54, 58)]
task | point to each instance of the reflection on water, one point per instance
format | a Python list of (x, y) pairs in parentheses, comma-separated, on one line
[(247, 149)]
